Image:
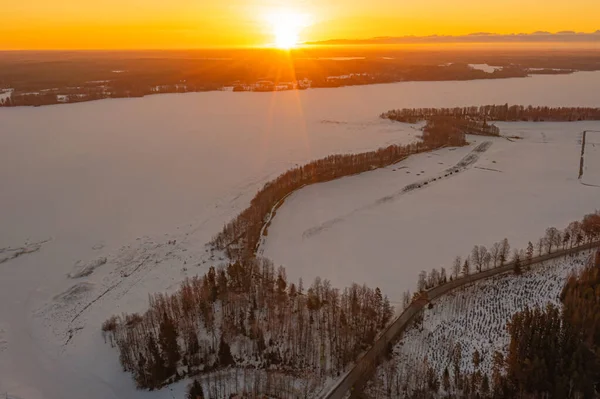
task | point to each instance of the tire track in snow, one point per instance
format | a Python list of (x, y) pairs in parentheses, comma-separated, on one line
[(469, 160)]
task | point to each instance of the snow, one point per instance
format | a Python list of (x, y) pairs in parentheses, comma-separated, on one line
[(123, 179), (5, 93), (368, 229), (334, 58), (548, 69), (485, 68), (591, 169), (476, 317)]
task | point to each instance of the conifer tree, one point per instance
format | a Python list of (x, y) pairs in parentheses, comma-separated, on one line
[(195, 391), (225, 357), (169, 347)]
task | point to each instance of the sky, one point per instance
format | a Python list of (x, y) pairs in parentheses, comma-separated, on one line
[(151, 24)]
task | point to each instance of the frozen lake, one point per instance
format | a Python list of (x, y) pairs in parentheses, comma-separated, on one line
[(118, 179)]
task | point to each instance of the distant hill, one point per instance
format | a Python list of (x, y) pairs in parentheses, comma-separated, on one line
[(479, 37)]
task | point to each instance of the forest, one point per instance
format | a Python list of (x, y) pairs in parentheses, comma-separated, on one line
[(248, 314), (446, 129), (496, 113), (39, 78), (553, 352)]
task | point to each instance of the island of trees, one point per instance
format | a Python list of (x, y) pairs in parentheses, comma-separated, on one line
[(496, 113)]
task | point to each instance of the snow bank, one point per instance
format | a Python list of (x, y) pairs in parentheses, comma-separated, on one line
[(84, 269)]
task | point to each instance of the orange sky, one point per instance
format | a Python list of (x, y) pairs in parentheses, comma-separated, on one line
[(134, 24)]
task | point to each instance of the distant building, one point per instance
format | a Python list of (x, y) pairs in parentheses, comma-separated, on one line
[(304, 84), (264, 85)]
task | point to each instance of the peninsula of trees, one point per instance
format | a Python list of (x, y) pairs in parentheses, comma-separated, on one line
[(240, 237)]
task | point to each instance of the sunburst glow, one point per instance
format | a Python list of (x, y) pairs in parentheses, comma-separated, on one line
[(286, 26)]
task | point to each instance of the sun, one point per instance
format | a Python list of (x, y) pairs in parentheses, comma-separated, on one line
[(286, 27)]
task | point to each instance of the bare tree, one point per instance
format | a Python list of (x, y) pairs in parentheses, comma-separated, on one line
[(574, 230), (504, 251), (551, 234), (487, 259), (422, 283), (456, 267), (406, 299), (495, 252), (566, 238), (540, 246), (466, 270), (483, 252), (434, 278), (476, 259)]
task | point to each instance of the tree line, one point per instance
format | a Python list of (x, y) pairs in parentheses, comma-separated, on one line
[(481, 258), (247, 315), (451, 131), (240, 237), (507, 113)]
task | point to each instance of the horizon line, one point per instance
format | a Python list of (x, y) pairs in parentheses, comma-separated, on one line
[(565, 36), (542, 37)]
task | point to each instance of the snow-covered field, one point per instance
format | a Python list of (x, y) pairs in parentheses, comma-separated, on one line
[(5, 93), (366, 228), (485, 67), (105, 202), (475, 318), (591, 171)]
